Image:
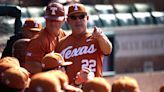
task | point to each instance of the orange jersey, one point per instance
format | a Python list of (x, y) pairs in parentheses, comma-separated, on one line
[(83, 51), (41, 45)]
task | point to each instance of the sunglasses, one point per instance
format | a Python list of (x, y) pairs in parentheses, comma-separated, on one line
[(75, 17)]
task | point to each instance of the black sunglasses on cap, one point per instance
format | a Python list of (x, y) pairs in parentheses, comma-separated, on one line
[(75, 17)]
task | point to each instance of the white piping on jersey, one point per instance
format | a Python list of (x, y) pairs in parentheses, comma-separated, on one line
[(68, 53)]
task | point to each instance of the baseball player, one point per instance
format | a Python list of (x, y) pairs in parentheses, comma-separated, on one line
[(48, 37), (14, 79), (30, 29), (84, 49)]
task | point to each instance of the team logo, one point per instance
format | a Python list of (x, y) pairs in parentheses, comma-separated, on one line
[(43, 65), (60, 62), (53, 9), (39, 89), (75, 7), (29, 54), (73, 52), (36, 24)]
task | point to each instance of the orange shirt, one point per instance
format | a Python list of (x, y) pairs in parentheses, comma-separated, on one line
[(41, 45), (83, 51)]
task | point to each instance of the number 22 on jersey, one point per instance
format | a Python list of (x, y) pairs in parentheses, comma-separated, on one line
[(89, 64)]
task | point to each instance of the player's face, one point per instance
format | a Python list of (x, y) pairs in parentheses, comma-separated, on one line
[(78, 21), (53, 24)]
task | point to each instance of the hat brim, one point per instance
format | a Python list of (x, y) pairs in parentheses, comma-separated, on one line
[(59, 18), (33, 29), (76, 12), (66, 63)]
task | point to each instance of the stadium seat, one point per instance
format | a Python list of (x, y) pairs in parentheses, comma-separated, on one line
[(143, 18), (24, 12), (34, 12), (90, 10), (108, 20), (158, 17), (94, 21), (125, 19), (143, 7), (104, 9), (123, 8)]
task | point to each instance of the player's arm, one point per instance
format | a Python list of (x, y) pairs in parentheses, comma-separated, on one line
[(104, 43)]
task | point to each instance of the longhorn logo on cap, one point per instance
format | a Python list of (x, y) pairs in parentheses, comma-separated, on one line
[(60, 62), (75, 7), (36, 24), (53, 10)]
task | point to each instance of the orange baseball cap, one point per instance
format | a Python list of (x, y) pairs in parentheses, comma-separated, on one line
[(5, 66), (15, 78), (64, 81), (76, 8), (55, 11), (44, 82), (97, 84), (8, 62), (52, 60), (11, 60), (32, 25), (125, 83)]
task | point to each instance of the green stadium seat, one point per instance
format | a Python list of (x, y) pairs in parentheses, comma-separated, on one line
[(90, 10), (108, 20), (158, 17), (143, 7), (125, 19), (123, 8), (143, 18), (104, 9), (94, 20)]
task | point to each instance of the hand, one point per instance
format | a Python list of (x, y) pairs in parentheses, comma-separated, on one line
[(97, 32), (84, 75)]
